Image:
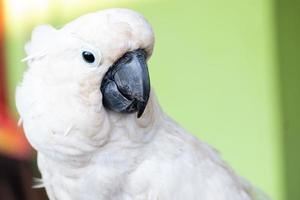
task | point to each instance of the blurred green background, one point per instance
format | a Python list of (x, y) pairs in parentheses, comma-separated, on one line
[(228, 71)]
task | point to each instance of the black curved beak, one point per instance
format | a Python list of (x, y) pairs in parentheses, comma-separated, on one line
[(126, 85)]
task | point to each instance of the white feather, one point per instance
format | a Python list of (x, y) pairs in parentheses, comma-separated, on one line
[(34, 56), (37, 183), (20, 121), (69, 129)]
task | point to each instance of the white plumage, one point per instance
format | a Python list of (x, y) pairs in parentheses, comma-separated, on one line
[(88, 152)]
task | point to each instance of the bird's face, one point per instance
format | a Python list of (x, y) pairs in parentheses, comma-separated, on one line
[(120, 42), (92, 67), (122, 86)]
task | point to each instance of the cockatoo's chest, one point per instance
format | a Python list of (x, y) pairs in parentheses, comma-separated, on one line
[(89, 181), (154, 175)]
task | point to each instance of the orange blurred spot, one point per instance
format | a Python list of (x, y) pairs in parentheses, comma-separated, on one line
[(12, 139)]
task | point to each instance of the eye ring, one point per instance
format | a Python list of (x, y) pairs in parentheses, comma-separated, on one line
[(90, 56)]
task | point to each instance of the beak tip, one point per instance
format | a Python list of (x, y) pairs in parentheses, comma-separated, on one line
[(141, 106), (139, 114)]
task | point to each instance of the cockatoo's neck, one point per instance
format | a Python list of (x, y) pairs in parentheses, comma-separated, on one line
[(139, 130), (118, 132), (128, 141)]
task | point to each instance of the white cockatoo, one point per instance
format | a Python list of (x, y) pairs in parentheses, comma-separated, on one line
[(86, 107)]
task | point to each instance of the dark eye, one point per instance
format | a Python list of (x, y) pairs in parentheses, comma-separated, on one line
[(88, 56)]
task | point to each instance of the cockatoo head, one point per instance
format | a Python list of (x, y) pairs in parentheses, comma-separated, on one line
[(83, 76)]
